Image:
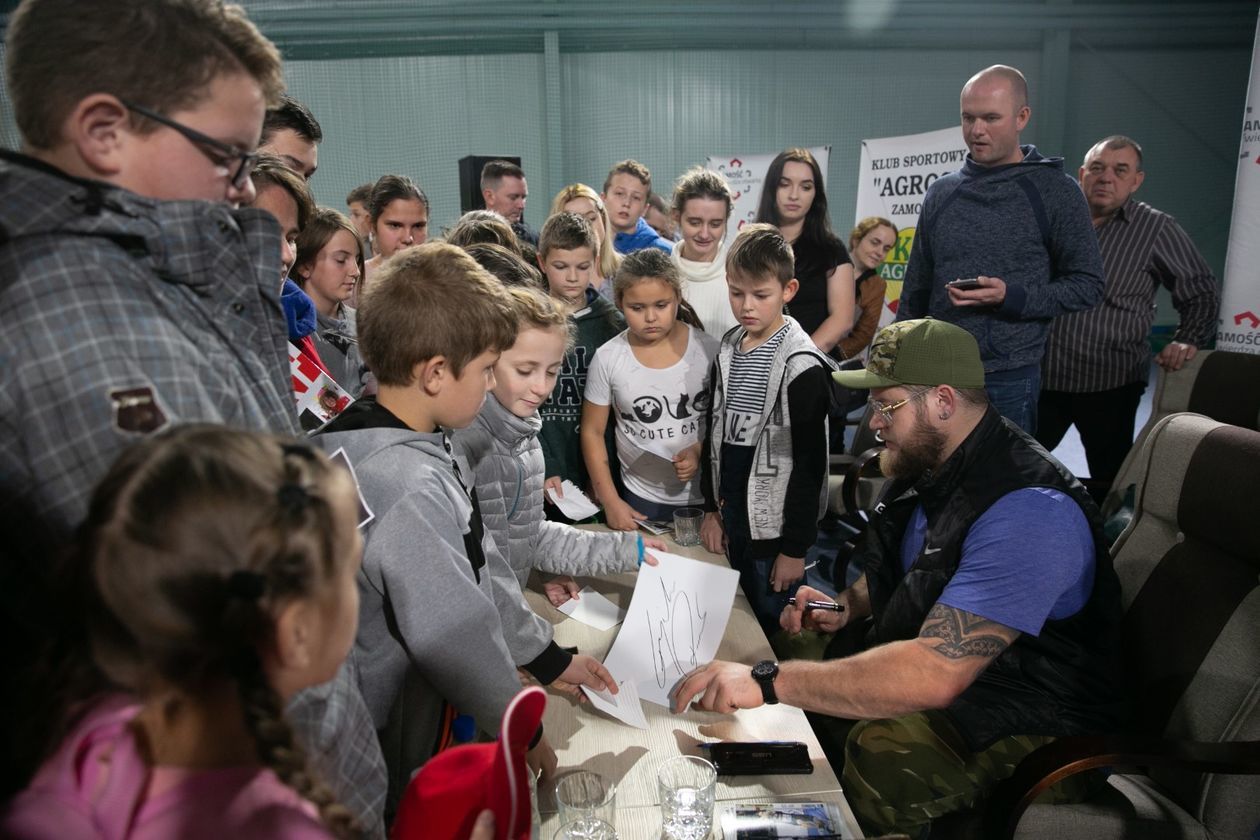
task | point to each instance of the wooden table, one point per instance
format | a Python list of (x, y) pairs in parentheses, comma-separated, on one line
[(583, 737)]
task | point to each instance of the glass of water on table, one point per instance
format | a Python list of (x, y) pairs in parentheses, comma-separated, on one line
[(687, 785)]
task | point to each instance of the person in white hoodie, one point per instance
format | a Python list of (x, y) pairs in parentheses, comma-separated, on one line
[(702, 206)]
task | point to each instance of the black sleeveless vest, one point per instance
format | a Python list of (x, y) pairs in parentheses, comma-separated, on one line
[(1062, 682)]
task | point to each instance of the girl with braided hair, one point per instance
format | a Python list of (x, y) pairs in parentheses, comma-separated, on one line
[(218, 578)]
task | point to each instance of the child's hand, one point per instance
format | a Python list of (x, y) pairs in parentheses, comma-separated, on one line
[(560, 589), (622, 517), (656, 544), (542, 759), (483, 828), (687, 463), (553, 483), (711, 533), (786, 571), (588, 671)]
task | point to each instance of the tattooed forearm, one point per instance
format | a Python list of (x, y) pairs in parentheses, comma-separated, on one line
[(964, 634)]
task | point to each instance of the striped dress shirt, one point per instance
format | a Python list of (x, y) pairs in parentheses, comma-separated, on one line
[(1107, 346)]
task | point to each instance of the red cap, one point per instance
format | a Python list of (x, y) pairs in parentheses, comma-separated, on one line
[(443, 799)]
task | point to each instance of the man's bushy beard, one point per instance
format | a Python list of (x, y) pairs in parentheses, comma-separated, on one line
[(916, 455)]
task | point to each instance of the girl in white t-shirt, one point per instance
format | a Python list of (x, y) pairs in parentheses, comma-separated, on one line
[(702, 207), (653, 380)]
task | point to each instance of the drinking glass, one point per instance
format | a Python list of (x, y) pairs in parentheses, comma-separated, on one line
[(687, 526), (687, 785), (582, 793), (586, 828)]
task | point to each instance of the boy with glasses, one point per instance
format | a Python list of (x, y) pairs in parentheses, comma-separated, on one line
[(134, 297)]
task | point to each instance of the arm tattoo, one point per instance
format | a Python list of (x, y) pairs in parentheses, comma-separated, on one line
[(964, 634)]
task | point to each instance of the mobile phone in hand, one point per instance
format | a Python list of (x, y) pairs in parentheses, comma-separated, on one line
[(965, 284)]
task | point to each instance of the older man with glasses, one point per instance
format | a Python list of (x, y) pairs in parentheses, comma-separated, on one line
[(987, 604)]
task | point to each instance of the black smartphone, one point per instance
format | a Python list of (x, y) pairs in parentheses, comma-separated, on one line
[(759, 758), (965, 284)]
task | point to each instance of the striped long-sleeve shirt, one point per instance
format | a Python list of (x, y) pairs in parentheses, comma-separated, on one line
[(1107, 346)]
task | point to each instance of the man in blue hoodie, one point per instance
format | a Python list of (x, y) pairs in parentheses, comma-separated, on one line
[(1015, 229), (626, 191)]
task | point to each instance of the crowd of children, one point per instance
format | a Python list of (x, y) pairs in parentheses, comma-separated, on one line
[(223, 576)]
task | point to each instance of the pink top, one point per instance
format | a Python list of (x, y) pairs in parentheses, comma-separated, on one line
[(97, 785)]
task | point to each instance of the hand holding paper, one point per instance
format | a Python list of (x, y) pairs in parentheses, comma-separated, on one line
[(593, 609), (572, 502), (676, 620), (624, 705)]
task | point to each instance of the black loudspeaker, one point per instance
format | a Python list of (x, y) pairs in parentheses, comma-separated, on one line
[(470, 179)]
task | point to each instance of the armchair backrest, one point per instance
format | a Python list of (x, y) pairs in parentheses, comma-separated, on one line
[(1215, 383), (1189, 569)]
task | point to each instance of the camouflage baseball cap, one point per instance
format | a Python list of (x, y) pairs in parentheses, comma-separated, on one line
[(919, 352)]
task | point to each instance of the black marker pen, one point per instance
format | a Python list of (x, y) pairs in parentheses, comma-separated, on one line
[(830, 606)]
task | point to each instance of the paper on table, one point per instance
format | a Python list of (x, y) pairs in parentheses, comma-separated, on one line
[(593, 609), (677, 616), (574, 503), (624, 705)]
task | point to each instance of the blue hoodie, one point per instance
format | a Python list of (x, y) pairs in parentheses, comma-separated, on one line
[(1026, 223), (644, 236), (299, 310)]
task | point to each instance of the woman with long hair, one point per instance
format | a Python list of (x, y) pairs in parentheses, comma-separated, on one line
[(794, 200)]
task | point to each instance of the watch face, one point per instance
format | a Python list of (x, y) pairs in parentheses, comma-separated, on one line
[(765, 670)]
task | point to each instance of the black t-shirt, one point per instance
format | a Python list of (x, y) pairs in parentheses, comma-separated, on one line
[(813, 260)]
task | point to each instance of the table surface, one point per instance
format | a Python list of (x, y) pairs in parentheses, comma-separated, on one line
[(583, 737)]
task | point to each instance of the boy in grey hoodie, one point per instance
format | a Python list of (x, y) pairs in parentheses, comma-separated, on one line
[(431, 639)]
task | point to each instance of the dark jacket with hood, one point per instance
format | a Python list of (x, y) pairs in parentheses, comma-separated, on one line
[(1026, 223)]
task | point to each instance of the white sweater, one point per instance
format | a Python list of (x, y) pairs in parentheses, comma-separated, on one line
[(704, 287)]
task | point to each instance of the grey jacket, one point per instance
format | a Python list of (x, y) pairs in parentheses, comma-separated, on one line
[(786, 495), (507, 462), (429, 630), (337, 341)]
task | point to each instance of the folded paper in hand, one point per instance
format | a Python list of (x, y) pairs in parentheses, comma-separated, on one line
[(624, 705), (573, 503), (593, 609)]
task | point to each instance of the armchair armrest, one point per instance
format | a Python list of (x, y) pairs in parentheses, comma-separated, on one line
[(1066, 757), (848, 491)]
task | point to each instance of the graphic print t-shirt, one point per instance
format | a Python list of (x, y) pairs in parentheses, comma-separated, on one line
[(657, 413), (746, 390)]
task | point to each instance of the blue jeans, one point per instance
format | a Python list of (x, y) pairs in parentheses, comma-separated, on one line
[(655, 511), (754, 572), (1014, 394)]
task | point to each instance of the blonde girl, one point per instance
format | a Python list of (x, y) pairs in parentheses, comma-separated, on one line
[(581, 199)]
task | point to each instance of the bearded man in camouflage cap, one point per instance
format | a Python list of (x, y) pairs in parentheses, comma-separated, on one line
[(988, 604)]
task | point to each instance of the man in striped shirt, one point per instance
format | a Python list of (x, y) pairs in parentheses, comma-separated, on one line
[(1097, 361)]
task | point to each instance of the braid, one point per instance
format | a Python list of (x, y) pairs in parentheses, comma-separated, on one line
[(264, 718)]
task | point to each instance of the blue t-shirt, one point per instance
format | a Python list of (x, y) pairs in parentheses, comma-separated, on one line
[(1027, 559)]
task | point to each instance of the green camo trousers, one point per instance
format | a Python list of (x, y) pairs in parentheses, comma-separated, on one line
[(902, 773)]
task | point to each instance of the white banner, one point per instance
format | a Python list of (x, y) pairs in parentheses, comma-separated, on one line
[(1240, 296), (744, 174), (893, 176)]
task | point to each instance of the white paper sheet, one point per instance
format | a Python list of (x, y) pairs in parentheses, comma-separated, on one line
[(624, 705), (677, 616), (574, 503), (593, 609), (666, 449)]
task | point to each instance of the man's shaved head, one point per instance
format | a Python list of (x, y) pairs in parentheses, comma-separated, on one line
[(1001, 72)]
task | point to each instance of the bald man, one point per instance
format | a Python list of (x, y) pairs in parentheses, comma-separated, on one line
[(1016, 229)]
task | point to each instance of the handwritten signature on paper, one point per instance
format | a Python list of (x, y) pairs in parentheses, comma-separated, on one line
[(676, 636)]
